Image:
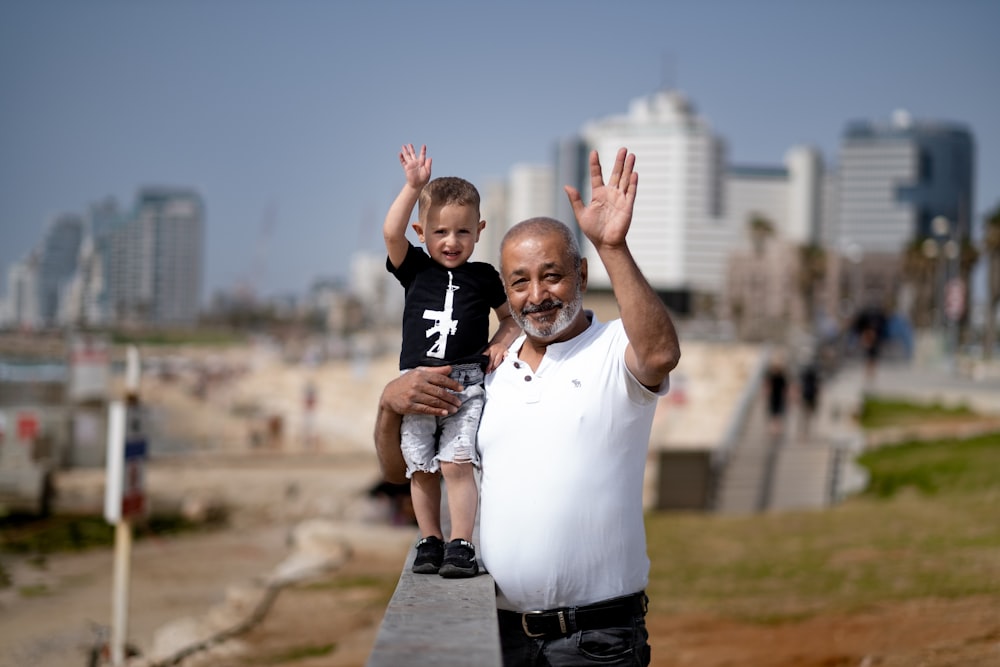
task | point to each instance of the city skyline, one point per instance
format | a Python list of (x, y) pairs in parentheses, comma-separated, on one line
[(287, 118)]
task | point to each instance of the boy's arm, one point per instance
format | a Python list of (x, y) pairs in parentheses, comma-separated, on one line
[(507, 333), (417, 167)]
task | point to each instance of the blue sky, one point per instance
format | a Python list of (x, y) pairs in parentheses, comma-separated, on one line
[(294, 111)]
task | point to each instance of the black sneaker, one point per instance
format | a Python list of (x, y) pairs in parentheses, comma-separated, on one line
[(459, 560), (430, 551)]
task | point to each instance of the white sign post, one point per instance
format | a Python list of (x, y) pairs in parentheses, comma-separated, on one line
[(124, 496)]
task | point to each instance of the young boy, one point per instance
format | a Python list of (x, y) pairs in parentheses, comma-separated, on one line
[(446, 320)]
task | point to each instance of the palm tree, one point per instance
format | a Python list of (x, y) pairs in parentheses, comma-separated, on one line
[(991, 248), (812, 272), (968, 256), (918, 270), (761, 229)]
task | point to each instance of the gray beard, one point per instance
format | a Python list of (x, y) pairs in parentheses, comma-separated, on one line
[(564, 318)]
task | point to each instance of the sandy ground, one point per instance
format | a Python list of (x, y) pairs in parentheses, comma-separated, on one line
[(188, 580)]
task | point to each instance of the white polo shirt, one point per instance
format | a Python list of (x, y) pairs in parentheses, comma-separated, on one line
[(563, 454)]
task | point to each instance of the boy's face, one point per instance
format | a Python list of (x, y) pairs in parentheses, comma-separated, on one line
[(450, 233)]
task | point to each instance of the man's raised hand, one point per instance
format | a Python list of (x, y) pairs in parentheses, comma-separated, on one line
[(606, 220)]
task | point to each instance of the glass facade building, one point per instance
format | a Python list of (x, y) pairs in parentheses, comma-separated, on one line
[(896, 177)]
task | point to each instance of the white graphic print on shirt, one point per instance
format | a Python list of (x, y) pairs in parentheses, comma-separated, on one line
[(443, 325)]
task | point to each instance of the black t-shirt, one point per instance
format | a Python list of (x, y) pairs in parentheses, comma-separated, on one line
[(446, 315)]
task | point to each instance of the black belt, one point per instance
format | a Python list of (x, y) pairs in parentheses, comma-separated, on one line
[(567, 620)]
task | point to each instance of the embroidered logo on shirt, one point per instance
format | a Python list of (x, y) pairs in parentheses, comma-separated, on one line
[(576, 383)]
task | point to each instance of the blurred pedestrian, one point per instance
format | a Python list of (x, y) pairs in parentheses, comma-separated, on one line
[(777, 394), (871, 329), (809, 394)]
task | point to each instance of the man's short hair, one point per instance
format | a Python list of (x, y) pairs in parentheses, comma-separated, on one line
[(448, 190), (543, 226)]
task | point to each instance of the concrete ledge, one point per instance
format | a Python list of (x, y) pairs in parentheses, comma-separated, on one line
[(436, 622)]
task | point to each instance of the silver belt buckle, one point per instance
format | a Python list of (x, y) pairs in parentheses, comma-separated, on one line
[(524, 623)]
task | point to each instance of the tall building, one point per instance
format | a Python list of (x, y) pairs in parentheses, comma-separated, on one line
[(901, 183), (57, 264), (694, 211), (156, 259), (492, 209), (897, 176), (681, 189), (142, 268), (526, 193), (531, 190), (105, 218), (22, 293), (81, 299), (571, 168)]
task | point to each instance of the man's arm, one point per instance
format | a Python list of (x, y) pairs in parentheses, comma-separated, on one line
[(653, 349), (417, 167), (422, 390)]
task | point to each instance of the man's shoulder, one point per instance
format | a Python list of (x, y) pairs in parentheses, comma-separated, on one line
[(597, 334), (600, 328)]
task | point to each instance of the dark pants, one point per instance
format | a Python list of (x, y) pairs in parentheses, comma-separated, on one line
[(626, 646)]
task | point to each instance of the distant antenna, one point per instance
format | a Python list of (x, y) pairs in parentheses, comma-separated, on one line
[(256, 273), (668, 73)]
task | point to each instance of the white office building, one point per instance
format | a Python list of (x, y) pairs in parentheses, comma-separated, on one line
[(528, 192), (531, 190), (492, 209), (693, 211), (679, 160), (23, 305)]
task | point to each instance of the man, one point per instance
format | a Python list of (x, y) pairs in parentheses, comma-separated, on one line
[(564, 437)]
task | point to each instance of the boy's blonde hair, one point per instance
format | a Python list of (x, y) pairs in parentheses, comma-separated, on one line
[(447, 190)]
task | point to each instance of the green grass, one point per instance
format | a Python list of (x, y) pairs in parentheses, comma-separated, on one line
[(928, 526), (941, 467), (382, 586), (297, 653), (201, 336), (38, 537), (34, 591), (879, 413)]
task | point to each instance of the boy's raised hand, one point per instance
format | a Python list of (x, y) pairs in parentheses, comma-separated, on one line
[(416, 166)]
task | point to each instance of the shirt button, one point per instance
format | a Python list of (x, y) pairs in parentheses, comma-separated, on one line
[(527, 378), (517, 364)]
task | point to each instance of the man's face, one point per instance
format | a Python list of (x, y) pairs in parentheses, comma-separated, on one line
[(450, 233), (544, 290)]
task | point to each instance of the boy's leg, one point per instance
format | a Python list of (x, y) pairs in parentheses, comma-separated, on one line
[(463, 498), (459, 558), (425, 492), (418, 447), (458, 457)]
